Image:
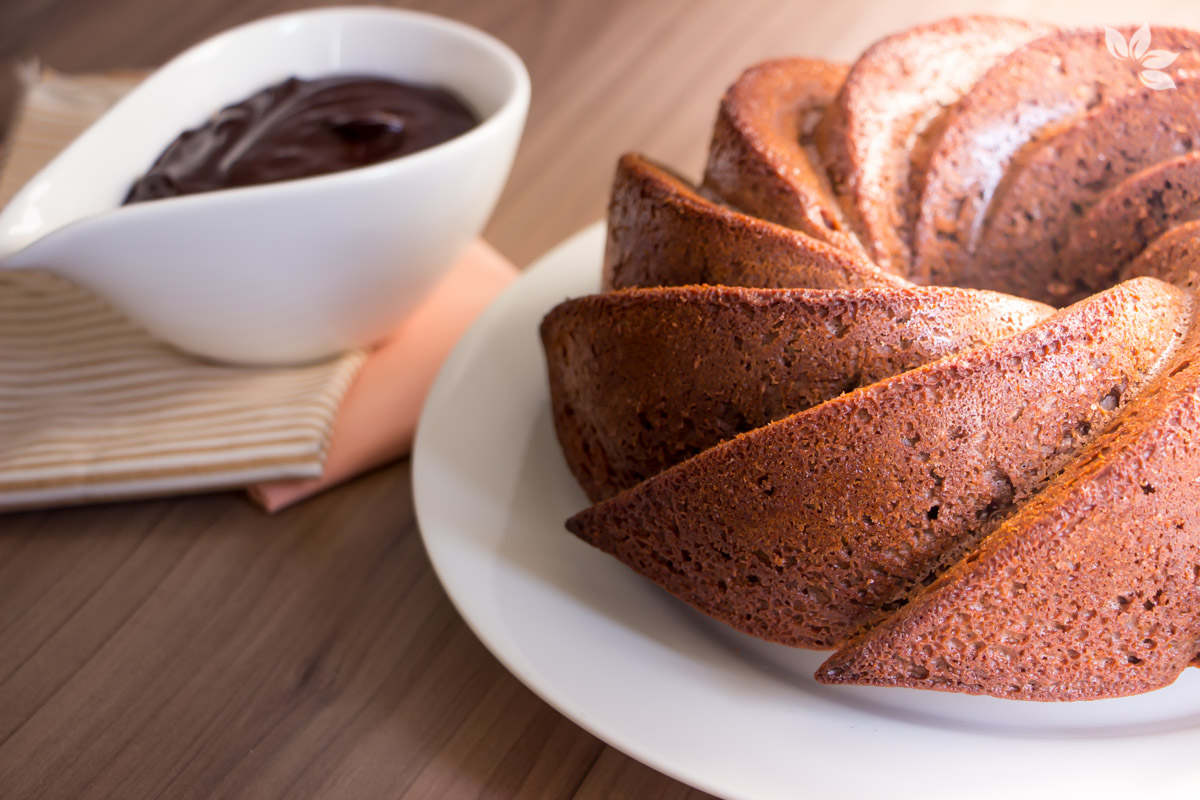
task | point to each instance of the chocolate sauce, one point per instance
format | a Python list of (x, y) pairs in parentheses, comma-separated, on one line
[(299, 128)]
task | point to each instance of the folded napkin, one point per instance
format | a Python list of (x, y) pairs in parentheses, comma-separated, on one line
[(92, 408), (378, 417)]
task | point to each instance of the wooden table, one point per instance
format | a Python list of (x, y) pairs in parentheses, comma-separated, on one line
[(196, 647)]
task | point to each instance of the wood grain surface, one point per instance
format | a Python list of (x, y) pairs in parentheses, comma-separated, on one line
[(196, 647)]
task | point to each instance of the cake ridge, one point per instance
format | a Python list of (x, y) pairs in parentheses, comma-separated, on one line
[(793, 487), (663, 232), (757, 159)]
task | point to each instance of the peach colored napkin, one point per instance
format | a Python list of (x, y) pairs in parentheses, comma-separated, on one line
[(92, 408), (379, 414)]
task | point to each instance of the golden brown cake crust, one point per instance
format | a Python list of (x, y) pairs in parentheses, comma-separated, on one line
[(661, 232), (1092, 590), (807, 529), (641, 379)]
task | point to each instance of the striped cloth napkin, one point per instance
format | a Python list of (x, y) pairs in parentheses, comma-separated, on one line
[(92, 408)]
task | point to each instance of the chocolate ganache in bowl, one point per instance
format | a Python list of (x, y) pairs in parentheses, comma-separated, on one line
[(282, 271), (300, 128)]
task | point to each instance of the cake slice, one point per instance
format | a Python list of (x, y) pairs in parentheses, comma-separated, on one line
[(1047, 80), (1064, 220), (1171, 257), (805, 530), (1092, 590), (888, 111), (1135, 213), (641, 379), (758, 161), (662, 232)]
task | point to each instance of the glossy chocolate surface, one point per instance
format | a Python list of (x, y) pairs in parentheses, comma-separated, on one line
[(300, 128)]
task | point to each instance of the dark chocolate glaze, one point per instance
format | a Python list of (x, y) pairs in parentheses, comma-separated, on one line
[(299, 128)]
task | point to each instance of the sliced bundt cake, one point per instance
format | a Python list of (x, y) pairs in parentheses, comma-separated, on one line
[(1136, 212), (1048, 196), (956, 490), (1171, 257)]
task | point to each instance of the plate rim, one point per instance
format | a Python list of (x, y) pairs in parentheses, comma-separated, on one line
[(517, 662)]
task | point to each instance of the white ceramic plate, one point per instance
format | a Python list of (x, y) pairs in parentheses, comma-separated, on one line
[(714, 708)]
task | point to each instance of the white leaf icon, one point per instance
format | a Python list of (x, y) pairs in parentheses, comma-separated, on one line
[(1159, 59), (1156, 80), (1139, 43), (1115, 43)]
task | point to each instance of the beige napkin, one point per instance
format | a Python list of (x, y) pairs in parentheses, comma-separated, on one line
[(92, 408)]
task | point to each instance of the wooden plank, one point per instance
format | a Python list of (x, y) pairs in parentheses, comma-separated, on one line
[(198, 648)]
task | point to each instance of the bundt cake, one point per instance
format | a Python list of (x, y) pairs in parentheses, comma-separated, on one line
[(820, 397)]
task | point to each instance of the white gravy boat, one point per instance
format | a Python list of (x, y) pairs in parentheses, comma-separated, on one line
[(285, 272)]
